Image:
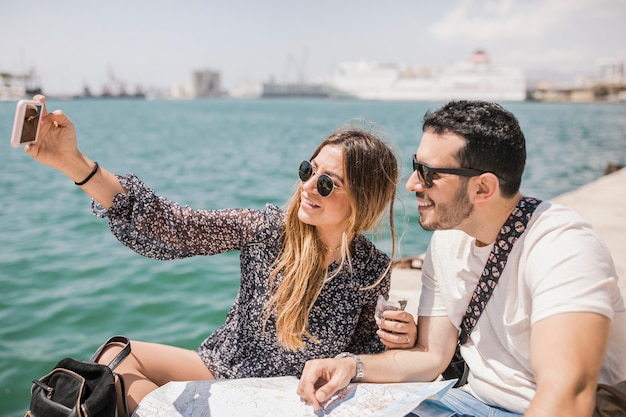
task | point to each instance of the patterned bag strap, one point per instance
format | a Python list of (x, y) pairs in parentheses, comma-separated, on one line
[(509, 233)]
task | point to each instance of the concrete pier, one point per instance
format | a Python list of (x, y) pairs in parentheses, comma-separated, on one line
[(601, 202)]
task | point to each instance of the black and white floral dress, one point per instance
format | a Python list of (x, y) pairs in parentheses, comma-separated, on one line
[(342, 318)]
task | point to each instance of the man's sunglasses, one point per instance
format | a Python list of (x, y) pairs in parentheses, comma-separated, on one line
[(425, 173), (325, 184)]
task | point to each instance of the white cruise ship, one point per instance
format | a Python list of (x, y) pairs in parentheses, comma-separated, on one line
[(474, 79)]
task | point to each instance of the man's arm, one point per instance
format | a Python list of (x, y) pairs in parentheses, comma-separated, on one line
[(436, 344), (566, 354)]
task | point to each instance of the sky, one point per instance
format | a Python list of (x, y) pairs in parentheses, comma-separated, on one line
[(156, 44)]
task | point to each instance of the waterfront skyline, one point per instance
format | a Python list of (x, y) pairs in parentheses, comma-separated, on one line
[(157, 44)]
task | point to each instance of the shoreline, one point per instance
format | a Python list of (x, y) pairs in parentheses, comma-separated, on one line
[(601, 202)]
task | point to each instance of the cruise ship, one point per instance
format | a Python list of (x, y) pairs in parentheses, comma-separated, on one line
[(475, 78)]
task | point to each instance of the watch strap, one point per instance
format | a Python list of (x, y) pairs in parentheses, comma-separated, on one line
[(360, 369)]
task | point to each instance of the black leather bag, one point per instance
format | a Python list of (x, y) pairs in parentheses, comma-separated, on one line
[(457, 369), (76, 388)]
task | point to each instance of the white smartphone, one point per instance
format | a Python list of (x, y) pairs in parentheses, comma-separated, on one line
[(26, 123)]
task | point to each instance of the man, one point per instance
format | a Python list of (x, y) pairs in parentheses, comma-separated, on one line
[(555, 324)]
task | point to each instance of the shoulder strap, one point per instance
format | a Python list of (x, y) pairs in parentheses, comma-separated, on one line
[(119, 357), (509, 233), (123, 354)]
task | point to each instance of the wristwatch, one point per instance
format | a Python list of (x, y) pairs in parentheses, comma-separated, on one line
[(360, 369)]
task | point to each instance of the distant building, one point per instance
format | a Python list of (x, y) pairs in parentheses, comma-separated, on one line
[(607, 85), (18, 86), (205, 83), (610, 70)]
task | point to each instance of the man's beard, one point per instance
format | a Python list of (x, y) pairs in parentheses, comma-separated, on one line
[(448, 216)]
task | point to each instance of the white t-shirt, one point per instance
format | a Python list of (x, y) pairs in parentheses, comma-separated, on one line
[(558, 265)]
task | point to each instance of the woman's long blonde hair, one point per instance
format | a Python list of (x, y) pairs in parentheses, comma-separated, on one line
[(371, 177)]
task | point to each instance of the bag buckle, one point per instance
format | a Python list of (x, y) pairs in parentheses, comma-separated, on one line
[(49, 390)]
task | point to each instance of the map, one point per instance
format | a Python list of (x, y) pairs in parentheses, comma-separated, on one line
[(250, 397)]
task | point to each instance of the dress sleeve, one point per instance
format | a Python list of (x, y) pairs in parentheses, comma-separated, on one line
[(161, 229)]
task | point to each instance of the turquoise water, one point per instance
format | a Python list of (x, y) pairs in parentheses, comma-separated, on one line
[(66, 284)]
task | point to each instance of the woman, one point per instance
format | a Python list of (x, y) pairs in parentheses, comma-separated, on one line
[(309, 278)]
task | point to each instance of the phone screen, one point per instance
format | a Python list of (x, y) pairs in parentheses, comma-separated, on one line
[(30, 125)]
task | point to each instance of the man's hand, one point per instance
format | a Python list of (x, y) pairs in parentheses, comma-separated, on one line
[(321, 378)]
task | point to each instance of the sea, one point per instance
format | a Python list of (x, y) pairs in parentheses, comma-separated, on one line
[(66, 284)]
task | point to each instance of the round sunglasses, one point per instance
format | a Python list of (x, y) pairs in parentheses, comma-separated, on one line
[(325, 183)]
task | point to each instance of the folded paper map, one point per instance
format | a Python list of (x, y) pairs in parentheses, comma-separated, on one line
[(249, 397)]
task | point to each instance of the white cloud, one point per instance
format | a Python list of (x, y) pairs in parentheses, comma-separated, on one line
[(560, 56), (480, 21), (567, 37)]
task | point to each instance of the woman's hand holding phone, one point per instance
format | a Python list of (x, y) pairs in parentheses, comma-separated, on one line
[(55, 144)]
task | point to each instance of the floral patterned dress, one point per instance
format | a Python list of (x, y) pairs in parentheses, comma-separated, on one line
[(342, 318)]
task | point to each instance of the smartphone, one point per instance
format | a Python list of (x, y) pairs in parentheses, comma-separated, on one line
[(26, 123)]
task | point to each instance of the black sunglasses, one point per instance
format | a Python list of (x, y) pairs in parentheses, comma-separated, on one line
[(325, 184), (425, 173)]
